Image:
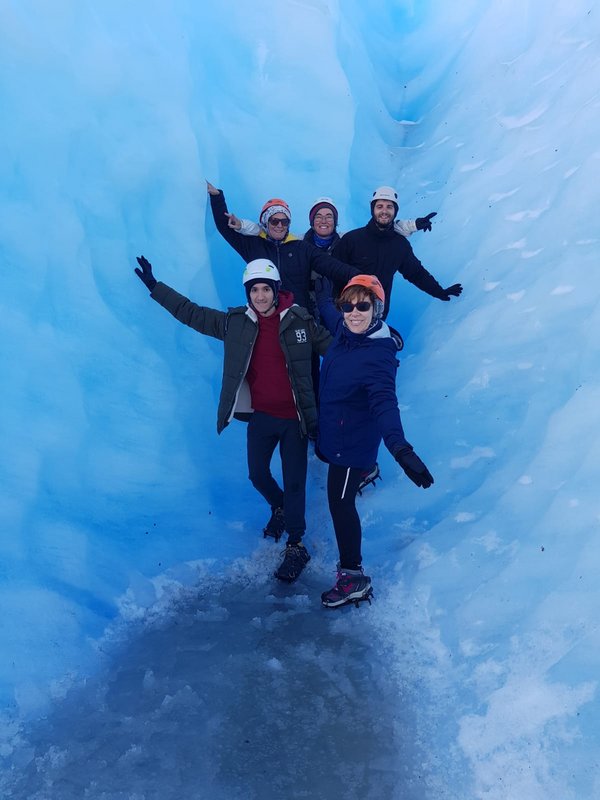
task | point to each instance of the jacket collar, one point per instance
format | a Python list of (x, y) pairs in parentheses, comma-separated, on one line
[(385, 233), (289, 238)]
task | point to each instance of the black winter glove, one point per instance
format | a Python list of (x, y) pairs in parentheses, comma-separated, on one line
[(424, 223), (413, 466), (323, 288), (452, 291), (145, 273)]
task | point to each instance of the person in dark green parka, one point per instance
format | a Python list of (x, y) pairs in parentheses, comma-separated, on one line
[(267, 381)]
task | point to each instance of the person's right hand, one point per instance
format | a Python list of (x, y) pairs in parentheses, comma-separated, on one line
[(211, 189), (233, 221), (145, 273)]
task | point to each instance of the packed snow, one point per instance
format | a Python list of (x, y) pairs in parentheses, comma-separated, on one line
[(147, 650)]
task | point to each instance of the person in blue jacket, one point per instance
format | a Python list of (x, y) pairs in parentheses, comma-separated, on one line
[(358, 407)]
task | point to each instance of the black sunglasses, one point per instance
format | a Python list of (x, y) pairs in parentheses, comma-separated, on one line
[(277, 222), (362, 305)]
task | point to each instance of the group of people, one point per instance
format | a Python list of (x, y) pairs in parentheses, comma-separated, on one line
[(273, 377)]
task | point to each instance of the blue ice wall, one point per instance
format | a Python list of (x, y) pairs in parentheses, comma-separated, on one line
[(111, 470)]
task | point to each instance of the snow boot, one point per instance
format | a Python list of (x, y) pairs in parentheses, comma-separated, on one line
[(276, 525), (352, 586), (369, 477), (295, 558)]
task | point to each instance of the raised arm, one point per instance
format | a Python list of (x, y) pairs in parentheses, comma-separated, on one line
[(243, 226), (222, 217), (321, 338)]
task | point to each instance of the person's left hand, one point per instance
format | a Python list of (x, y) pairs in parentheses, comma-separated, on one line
[(323, 288), (414, 468), (453, 291), (424, 223)]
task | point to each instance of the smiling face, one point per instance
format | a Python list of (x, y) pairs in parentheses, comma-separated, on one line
[(355, 320), (324, 222), (278, 227), (262, 299), (384, 212)]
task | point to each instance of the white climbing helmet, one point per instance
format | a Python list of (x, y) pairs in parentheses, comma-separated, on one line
[(261, 269), (385, 193)]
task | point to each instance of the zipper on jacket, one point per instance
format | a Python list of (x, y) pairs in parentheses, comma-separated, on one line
[(237, 392)]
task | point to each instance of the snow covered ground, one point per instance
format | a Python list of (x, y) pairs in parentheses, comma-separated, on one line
[(147, 653)]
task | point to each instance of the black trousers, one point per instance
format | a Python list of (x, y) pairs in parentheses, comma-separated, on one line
[(342, 486), (264, 434)]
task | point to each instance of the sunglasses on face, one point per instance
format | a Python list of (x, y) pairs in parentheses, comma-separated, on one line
[(362, 305), (276, 222)]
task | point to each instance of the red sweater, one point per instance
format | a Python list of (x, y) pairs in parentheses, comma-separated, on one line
[(267, 374)]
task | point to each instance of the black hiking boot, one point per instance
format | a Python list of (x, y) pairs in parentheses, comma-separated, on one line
[(369, 477), (295, 558), (276, 525)]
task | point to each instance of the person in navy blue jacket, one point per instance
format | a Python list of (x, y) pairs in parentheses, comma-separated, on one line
[(358, 407)]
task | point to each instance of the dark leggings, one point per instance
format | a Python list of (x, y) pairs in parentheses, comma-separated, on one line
[(264, 434), (342, 486)]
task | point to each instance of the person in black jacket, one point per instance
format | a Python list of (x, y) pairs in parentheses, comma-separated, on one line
[(376, 249), (267, 381), (294, 258), (323, 218)]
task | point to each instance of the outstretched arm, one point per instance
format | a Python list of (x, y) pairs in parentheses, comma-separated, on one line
[(204, 320), (380, 381), (407, 226), (337, 271), (415, 272)]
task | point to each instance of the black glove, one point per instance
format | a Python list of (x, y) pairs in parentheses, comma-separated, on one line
[(323, 288), (413, 466), (145, 273), (452, 291), (424, 223)]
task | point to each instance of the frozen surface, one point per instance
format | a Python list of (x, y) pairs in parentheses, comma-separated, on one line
[(147, 653)]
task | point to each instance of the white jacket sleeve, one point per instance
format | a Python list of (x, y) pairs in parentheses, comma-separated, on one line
[(405, 227), (249, 228)]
